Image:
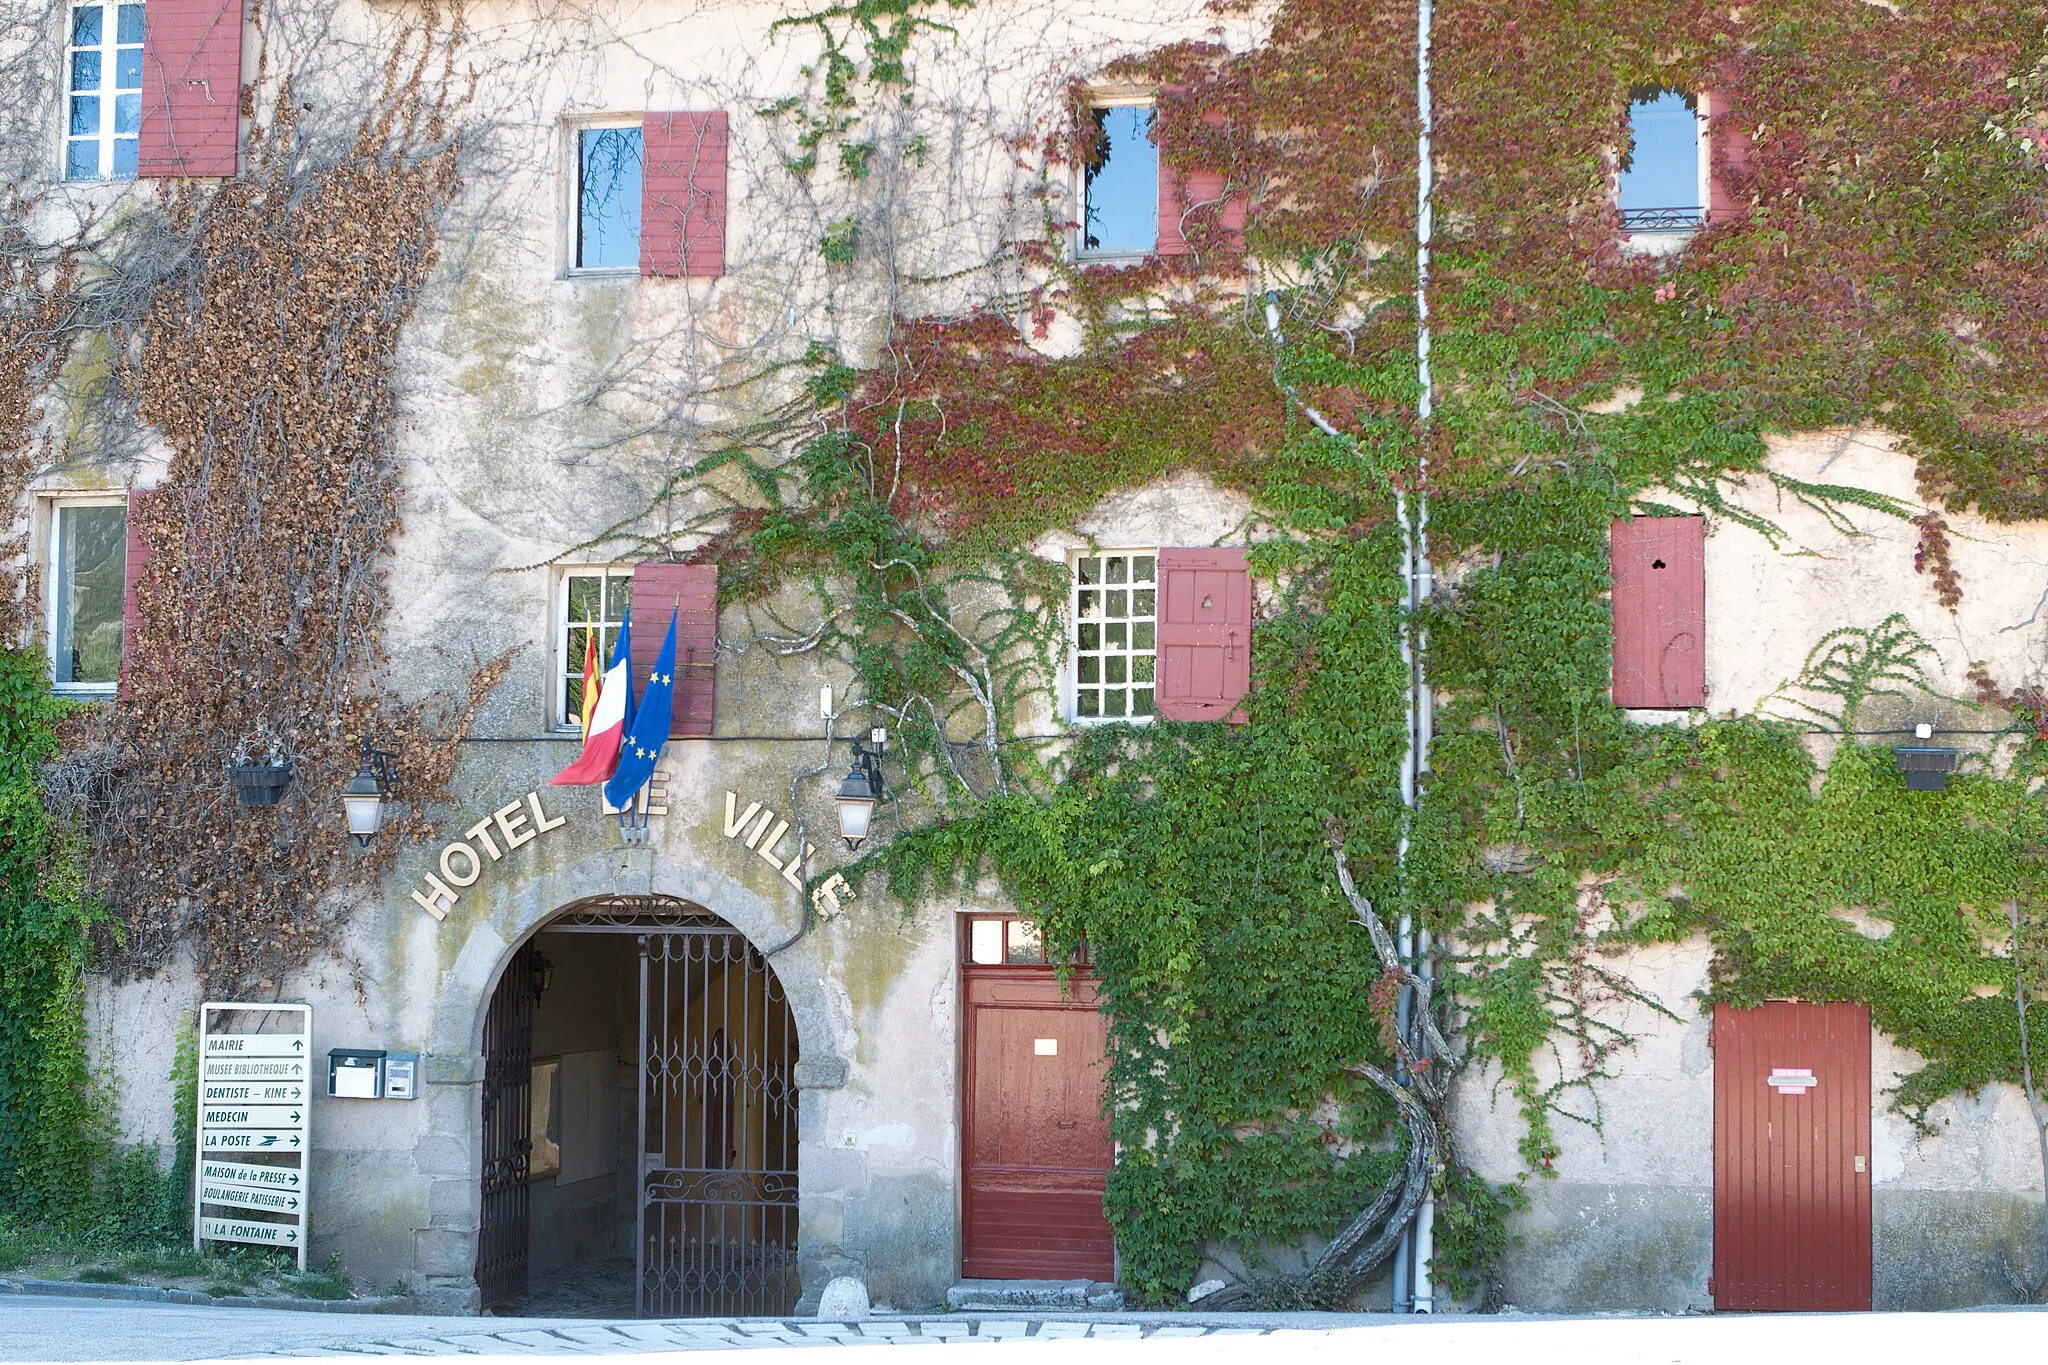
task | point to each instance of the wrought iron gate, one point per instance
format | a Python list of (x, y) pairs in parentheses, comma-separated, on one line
[(718, 1142), (508, 1120)]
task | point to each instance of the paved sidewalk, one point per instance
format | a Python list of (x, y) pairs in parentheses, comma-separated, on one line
[(34, 1329)]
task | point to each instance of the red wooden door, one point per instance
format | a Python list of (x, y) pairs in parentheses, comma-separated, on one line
[(1036, 1146), (1792, 1158)]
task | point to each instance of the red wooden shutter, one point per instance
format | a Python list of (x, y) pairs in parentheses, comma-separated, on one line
[(1205, 634), (1660, 612), (691, 591), (682, 194), (139, 552), (1181, 189), (191, 88), (1727, 154)]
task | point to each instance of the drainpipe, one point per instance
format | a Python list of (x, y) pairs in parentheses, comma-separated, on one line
[(1421, 709)]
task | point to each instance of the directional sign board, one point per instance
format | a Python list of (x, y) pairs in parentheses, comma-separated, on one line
[(253, 1134)]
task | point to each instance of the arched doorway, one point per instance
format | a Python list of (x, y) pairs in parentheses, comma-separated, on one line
[(639, 1119)]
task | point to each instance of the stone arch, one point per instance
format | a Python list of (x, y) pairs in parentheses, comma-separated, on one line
[(516, 913), (450, 1151)]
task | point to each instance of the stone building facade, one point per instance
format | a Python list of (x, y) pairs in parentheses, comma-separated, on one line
[(541, 387)]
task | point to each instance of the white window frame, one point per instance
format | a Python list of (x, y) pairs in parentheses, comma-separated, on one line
[(54, 509), (558, 690), (1666, 241), (572, 208), (1070, 683), (109, 49), (1079, 252)]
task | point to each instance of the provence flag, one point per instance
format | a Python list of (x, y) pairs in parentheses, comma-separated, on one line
[(649, 730)]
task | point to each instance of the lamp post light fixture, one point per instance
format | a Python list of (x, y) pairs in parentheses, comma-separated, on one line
[(1926, 766), (859, 792), (362, 800)]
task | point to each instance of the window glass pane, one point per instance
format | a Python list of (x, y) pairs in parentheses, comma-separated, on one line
[(85, 115), (131, 24), (1025, 945), (1141, 700), (1141, 667), (985, 941), (1112, 702), (618, 596), (1141, 632), (127, 113), (1113, 668), (1141, 571), (92, 560), (1113, 635), (128, 69), (1119, 569), (1090, 636), (1121, 195), (1143, 602), (1089, 570), (82, 161), (124, 158), (1119, 602), (608, 204), (85, 26), (585, 590), (1661, 170), (1091, 603), (85, 71), (1088, 702)]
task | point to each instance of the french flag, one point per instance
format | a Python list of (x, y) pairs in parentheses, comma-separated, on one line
[(608, 723)]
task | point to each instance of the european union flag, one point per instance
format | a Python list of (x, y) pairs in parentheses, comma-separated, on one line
[(649, 728)]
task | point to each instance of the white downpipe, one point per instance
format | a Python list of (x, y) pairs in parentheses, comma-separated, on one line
[(1420, 579)]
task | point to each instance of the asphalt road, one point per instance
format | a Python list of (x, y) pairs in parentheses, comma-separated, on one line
[(38, 1329)]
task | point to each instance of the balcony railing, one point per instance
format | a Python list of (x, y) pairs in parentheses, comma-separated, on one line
[(1663, 220)]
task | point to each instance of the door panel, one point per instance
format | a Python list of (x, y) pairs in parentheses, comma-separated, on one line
[(1037, 1146), (1791, 1129)]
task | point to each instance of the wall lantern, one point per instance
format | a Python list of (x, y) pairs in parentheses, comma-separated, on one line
[(543, 975), (259, 784), (1926, 766), (362, 800), (859, 792)]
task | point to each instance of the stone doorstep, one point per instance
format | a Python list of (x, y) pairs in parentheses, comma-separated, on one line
[(1013, 1295), (155, 1293)]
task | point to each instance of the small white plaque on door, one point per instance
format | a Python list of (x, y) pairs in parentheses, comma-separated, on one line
[(1045, 1047)]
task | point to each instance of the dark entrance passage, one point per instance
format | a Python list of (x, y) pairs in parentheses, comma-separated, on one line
[(1792, 1158), (644, 1099), (1036, 1148), (501, 1264)]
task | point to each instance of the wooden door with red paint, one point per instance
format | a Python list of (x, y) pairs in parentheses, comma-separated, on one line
[(1035, 1151), (1792, 1158)]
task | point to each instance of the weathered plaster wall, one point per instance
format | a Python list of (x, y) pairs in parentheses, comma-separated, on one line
[(1768, 605), (1626, 1219)]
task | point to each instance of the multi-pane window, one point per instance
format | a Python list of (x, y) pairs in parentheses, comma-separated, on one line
[(103, 111), (1661, 185), (594, 603), (1116, 624), (88, 573), (1120, 183), (608, 179)]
